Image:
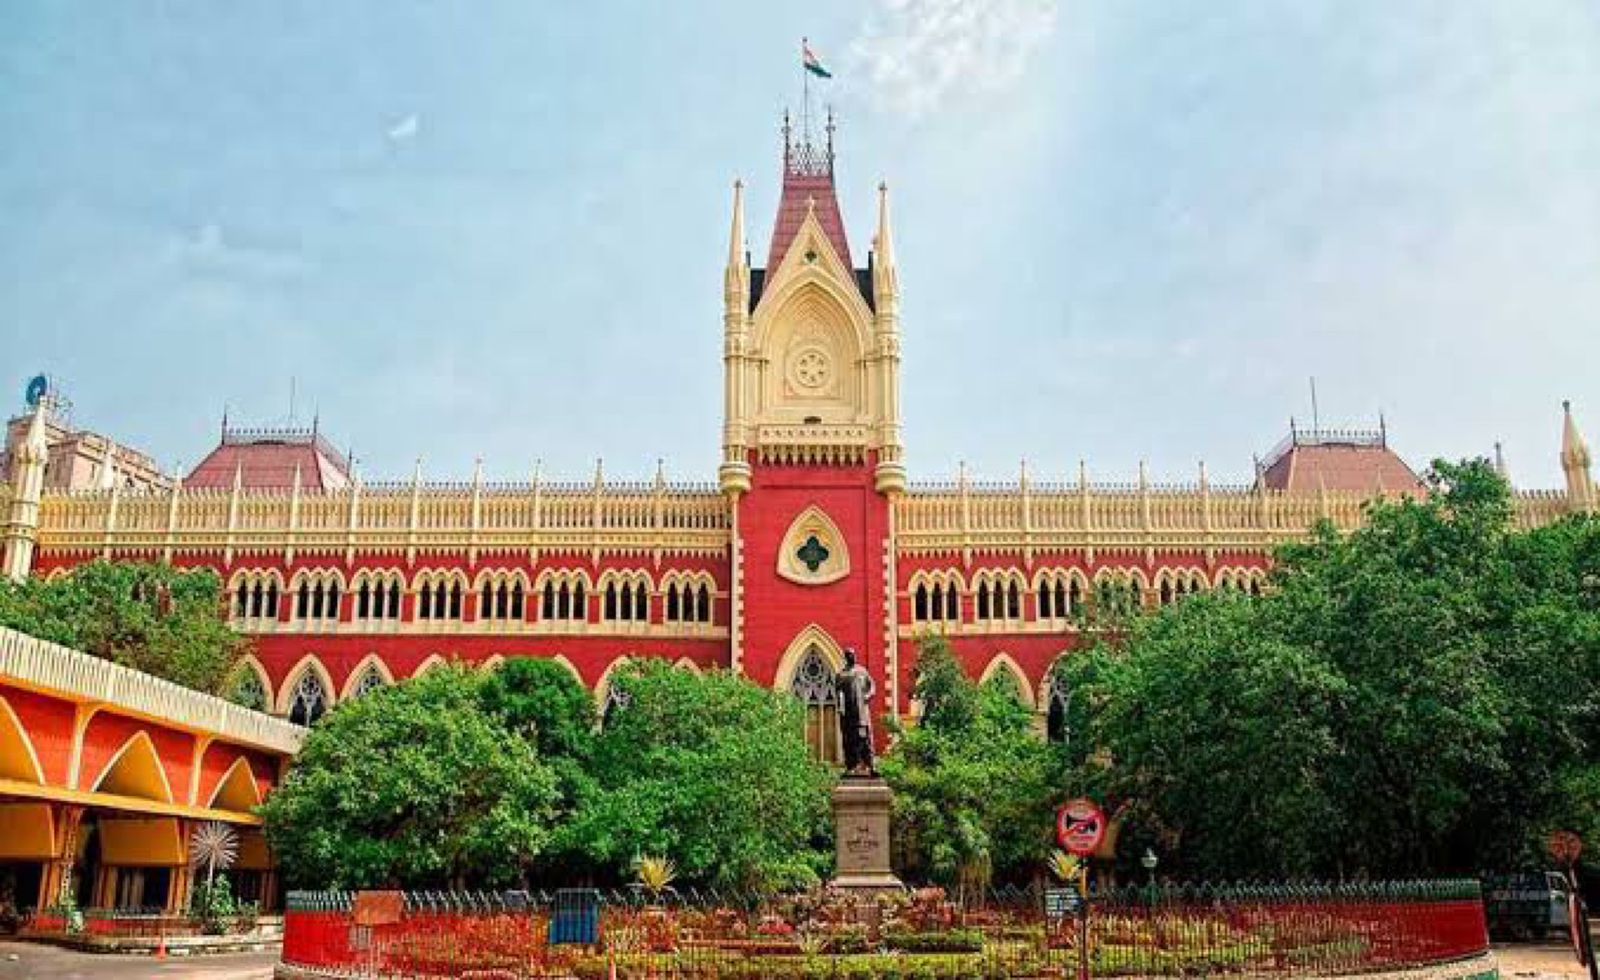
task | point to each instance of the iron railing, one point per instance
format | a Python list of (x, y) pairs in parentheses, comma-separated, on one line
[(1202, 930)]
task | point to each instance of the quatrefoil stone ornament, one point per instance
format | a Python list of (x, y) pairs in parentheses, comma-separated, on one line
[(812, 554)]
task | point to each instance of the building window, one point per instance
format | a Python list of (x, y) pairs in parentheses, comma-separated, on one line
[(248, 690), (813, 684), (377, 600), (310, 700), (1057, 727), (999, 600), (501, 601), (256, 600), (371, 679), (317, 601), (686, 603), (563, 602)]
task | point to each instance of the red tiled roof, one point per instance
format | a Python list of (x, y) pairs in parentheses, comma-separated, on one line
[(267, 461), (798, 190), (1341, 467)]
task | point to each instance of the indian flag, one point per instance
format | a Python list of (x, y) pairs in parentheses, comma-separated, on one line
[(812, 63)]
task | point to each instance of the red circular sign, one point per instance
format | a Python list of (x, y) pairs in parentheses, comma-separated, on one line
[(1565, 847), (1080, 827)]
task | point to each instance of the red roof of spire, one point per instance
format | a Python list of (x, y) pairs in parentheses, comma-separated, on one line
[(807, 182)]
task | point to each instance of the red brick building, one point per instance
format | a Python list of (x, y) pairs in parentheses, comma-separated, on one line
[(810, 540)]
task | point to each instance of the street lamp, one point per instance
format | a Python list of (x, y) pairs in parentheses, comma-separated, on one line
[(1149, 861)]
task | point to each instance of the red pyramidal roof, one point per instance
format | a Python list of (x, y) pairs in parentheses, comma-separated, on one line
[(1341, 461), (265, 459)]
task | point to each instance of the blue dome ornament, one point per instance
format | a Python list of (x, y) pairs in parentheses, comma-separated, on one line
[(37, 389)]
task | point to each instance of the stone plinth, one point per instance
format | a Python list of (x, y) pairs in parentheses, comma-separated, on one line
[(861, 834)]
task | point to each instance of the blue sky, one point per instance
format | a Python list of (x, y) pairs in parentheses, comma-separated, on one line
[(1127, 230)]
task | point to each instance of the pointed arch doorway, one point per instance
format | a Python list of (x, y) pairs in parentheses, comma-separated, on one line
[(809, 670)]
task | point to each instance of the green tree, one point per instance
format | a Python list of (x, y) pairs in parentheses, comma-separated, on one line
[(1418, 696), (975, 786), (151, 617), (415, 785), (543, 702), (712, 772)]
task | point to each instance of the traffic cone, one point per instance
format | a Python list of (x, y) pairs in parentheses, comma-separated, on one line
[(161, 946)]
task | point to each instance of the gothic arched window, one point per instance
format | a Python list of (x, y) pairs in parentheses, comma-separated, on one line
[(371, 679), (248, 690), (813, 684), (672, 603), (919, 610), (702, 612), (310, 700), (1057, 726)]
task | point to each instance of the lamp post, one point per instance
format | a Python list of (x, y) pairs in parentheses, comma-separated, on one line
[(1149, 862)]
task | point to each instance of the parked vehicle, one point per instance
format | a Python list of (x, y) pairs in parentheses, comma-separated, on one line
[(1525, 904)]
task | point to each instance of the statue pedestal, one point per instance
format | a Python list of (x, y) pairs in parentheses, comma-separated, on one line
[(861, 834)]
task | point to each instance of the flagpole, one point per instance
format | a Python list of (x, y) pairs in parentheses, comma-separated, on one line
[(805, 97)]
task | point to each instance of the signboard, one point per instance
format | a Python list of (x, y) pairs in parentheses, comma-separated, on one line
[(1080, 827), (1565, 848), (1061, 903), (379, 908)]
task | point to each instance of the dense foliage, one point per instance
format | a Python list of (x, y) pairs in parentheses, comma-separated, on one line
[(416, 785), (458, 778), (712, 772), (1420, 696), (975, 784), (151, 617)]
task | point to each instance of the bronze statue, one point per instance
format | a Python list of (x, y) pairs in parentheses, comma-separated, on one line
[(855, 690)]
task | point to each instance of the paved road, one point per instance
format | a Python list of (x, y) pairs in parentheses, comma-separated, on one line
[(1543, 961), (37, 962)]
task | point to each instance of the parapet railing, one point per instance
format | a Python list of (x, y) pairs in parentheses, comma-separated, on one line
[(80, 676)]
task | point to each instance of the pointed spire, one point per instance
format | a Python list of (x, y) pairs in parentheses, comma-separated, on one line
[(1574, 450), (1083, 475), (1144, 476), (599, 473), (1205, 482), (477, 472), (661, 473), (538, 471), (108, 472), (35, 446), (737, 256), (1500, 462), (416, 474), (1575, 464), (885, 240), (885, 277)]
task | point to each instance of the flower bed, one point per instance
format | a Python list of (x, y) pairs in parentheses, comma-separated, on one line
[(1255, 932)]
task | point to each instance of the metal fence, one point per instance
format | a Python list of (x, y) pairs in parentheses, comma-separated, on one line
[(1286, 930)]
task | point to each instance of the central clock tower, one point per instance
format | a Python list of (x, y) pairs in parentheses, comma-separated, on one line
[(811, 439)]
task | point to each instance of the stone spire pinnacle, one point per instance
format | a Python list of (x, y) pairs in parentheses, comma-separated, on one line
[(737, 257), (108, 472), (885, 277), (1500, 462), (1575, 464)]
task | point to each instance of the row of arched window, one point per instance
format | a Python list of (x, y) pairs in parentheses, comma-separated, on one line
[(1058, 596), (813, 684), (563, 597)]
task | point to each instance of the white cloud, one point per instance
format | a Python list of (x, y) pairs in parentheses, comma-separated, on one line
[(405, 129), (919, 55)]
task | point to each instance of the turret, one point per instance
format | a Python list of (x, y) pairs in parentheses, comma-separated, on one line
[(1575, 465), (27, 487), (734, 473)]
